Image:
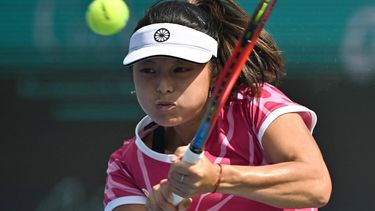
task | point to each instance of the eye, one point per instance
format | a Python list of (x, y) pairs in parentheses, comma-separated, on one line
[(181, 69), (147, 70)]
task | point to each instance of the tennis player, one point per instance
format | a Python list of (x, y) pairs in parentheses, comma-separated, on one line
[(261, 154)]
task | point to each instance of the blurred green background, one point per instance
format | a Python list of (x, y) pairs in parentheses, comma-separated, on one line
[(66, 102)]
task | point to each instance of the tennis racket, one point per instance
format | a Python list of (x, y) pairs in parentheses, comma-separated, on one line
[(226, 81)]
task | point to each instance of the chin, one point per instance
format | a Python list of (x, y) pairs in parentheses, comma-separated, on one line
[(167, 122)]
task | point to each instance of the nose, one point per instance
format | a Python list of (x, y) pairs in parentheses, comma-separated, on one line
[(164, 84)]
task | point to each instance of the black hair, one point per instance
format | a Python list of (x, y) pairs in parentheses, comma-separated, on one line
[(225, 21)]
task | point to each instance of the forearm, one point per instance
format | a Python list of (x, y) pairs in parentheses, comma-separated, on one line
[(287, 185)]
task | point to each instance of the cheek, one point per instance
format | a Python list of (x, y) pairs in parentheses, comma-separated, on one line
[(196, 95), (143, 91), (142, 84)]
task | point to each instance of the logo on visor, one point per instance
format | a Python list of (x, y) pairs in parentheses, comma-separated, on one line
[(161, 35)]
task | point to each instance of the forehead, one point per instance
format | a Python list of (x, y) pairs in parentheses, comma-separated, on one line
[(165, 60), (159, 59)]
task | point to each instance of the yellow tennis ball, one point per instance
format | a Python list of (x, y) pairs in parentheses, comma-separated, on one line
[(107, 17)]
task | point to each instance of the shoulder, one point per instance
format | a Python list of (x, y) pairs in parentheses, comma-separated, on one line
[(127, 149), (270, 99), (263, 109), (244, 103), (267, 93), (130, 146)]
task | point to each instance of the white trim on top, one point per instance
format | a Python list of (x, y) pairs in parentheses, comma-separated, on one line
[(125, 200), (166, 158), (283, 110)]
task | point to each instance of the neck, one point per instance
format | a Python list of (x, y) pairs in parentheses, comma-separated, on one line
[(180, 135)]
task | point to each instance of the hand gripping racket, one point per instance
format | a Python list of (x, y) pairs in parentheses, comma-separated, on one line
[(226, 81)]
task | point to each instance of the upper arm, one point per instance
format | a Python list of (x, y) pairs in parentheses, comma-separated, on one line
[(287, 138)]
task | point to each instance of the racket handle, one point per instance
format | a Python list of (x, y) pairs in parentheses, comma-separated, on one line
[(192, 158), (176, 199)]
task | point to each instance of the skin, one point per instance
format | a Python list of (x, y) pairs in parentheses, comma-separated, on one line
[(298, 178), (174, 94)]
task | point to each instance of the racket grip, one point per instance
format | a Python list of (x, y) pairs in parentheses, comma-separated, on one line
[(176, 199), (191, 158)]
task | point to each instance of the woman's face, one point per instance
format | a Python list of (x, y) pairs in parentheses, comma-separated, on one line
[(172, 91)]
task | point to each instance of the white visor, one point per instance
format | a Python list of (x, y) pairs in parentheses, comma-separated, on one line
[(166, 39)]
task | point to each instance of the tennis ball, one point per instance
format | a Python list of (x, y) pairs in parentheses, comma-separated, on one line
[(107, 17)]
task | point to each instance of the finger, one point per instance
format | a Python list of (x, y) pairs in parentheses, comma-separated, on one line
[(168, 207), (181, 189), (179, 168), (177, 178), (178, 181), (180, 151), (162, 202), (177, 173), (156, 200), (150, 203), (185, 204), (167, 196), (174, 158)]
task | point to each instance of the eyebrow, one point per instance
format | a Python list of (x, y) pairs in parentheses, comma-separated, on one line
[(147, 61), (175, 61)]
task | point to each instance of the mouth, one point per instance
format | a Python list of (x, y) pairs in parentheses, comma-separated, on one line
[(165, 105)]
